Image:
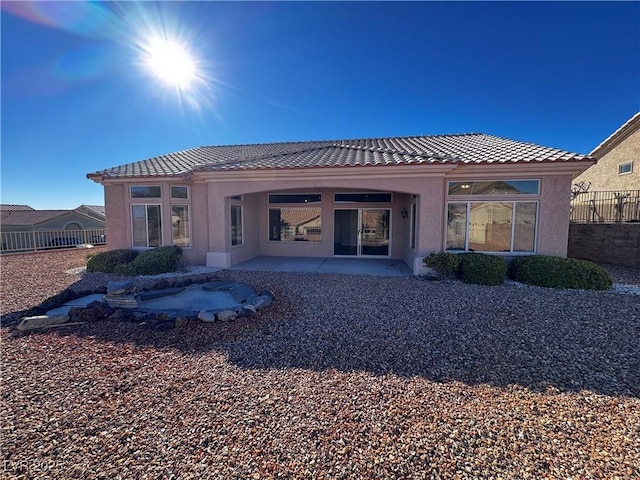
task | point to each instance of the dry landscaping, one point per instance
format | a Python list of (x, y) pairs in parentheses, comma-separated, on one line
[(345, 376)]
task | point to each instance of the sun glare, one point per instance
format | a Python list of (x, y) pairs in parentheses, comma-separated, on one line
[(170, 62)]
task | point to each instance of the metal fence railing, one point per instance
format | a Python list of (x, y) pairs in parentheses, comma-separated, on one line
[(606, 207), (32, 240)]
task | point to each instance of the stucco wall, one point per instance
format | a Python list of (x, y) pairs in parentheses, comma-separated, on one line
[(116, 217), (553, 216), (604, 174), (210, 207), (614, 243)]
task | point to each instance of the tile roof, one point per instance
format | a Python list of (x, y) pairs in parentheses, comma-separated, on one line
[(630, 126), (8, 207), (471, 148), (29, 217)]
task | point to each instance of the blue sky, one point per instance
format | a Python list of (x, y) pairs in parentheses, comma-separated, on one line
[(76, 99)]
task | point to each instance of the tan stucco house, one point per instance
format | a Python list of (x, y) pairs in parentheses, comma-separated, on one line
[(398, 198), (618, 157)]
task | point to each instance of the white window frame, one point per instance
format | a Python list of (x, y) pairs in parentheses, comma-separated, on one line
[(179, 199), (513, 203), (146, 219), (188, 205), (413, 224), (621, 165), (236, 203), (140, 199)]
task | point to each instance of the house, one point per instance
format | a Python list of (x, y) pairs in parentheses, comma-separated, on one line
[(605, 210), (398, 198), (618, 157), (609, 191), (24, 228)]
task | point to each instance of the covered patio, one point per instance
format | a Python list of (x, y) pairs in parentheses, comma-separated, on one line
[(357, 266)]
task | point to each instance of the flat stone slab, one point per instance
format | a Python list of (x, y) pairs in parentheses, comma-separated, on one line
[(82, 302), (41, 321)]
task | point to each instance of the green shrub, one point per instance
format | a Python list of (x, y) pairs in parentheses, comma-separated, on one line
[(444, 263), (155, 261), (557, 272), (108, 261), (482, 269)]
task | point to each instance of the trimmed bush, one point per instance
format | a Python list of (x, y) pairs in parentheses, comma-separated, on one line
[(446, 264), (557, 272), (482, 269), (154, 261), (110, 260)]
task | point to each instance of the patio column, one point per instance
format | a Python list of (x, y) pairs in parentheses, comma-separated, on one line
[(218, 254), (430, 225)]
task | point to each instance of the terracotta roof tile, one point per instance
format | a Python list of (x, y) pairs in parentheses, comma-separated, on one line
[(458, 148)]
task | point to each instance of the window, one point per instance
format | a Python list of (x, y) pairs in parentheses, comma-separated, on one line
[(236, 224), (179, 192), (147, 225), (495, 187), (625, 168), (362, 198), (413, 220), (295, 224), (180, 225), (295, 198), (146, 192), (492, 226)]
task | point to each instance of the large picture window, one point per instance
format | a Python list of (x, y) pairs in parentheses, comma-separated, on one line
[(147, 225), (180, 225), (295, 224), (492, 226), (236, 224)]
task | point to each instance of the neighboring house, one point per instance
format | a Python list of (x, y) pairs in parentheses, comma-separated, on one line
[(26, 228), (618, 157), (610, 189), (398, 198)]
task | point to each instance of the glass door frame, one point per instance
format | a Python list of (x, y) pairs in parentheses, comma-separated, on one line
[(360, 232)]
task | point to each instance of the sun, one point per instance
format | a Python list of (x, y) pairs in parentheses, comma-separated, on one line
[(170, 62)]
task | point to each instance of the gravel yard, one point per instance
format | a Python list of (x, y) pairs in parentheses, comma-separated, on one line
[(344, 377)]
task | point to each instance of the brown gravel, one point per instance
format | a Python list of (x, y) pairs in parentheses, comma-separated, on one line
[(345, 377)]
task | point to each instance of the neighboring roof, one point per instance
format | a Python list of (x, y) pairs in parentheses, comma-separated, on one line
[(630, 126), (7, 207), (30, 217), (433, 149), (98, 209)]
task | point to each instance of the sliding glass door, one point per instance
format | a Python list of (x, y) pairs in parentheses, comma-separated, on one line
[(362, 232)]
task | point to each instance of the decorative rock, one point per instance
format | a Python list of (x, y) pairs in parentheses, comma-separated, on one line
[(247, 310), (118, 287), (161, 324), (227, 316), (206, 316), (181, 322), (262, 301), (242, 292), (268, 293), (122, 315), (41, 321), (251, 298), (121, 301), (93, 312), (151, 294)]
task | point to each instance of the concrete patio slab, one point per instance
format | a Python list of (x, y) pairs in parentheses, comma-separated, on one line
[(357, 266)]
